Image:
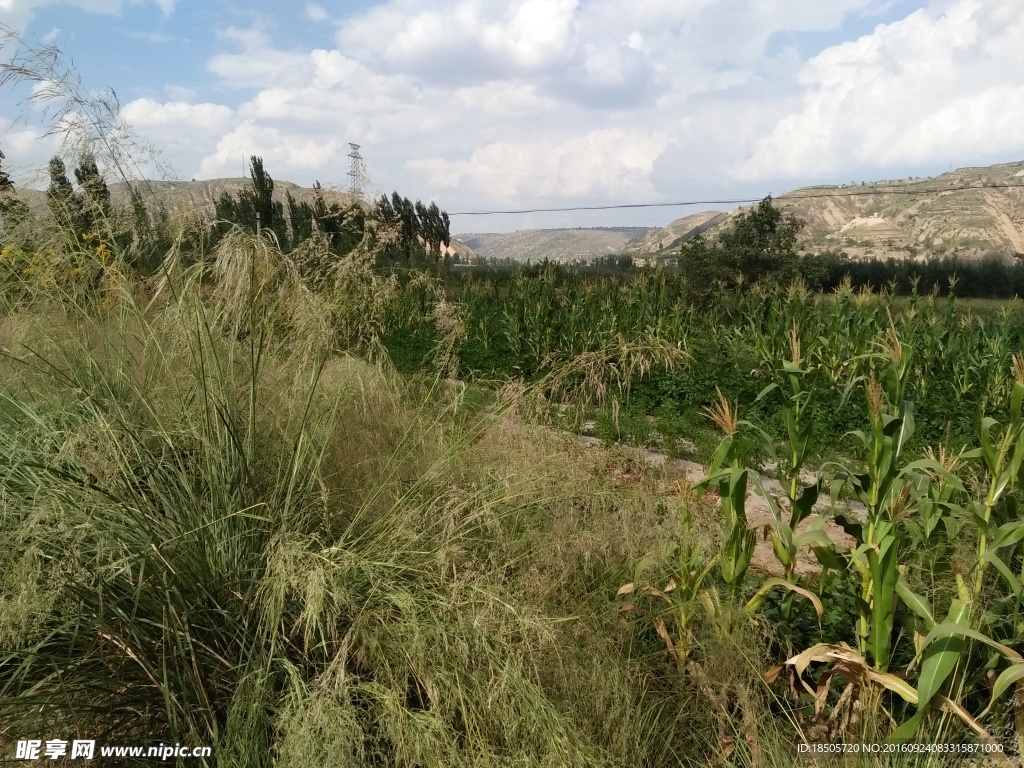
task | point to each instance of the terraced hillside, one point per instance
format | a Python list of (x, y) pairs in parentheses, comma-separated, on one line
[(564, 245), (975, 211)]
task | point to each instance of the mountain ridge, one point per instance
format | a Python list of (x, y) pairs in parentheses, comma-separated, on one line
[(974, 212)]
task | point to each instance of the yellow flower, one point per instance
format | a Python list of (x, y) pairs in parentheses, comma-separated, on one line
[(105, 304), (76, 272)]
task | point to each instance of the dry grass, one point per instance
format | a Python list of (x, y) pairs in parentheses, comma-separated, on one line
[(351, 567)]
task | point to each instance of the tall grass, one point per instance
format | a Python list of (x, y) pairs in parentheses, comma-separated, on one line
[(226, 530)]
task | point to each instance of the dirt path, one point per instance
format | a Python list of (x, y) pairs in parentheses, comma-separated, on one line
[(759, 514)]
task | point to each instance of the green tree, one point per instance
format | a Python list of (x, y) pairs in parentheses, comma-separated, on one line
[(258, 199), (230, 211), (13, 210), (759, 247), (6, 186), (300, 217), (421, 229), (434, 226), (95, 197), (406, 212), (343, 225), (150, 236), (63, 202)]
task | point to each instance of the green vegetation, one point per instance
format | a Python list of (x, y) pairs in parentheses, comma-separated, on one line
[(226, 530), (937, 378), (310, 497), (235, 524), (759, 247)]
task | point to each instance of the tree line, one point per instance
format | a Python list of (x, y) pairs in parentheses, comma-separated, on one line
[(406, 231), (761, 248)]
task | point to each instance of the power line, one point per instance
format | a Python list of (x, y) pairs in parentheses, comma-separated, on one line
[(787, 197), (607, 207)]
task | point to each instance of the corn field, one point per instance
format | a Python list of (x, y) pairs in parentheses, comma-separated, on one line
[(524, 326), (233, 435), (911, 406)]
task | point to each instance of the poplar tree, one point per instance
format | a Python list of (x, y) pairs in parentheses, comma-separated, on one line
[(344, 226), (63, 202), (6, 186), (300, 216), (259, 198), (95, 197), (12, 209)]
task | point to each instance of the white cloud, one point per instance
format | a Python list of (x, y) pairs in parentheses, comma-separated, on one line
[(26, 150), (504, 100), (259, 63), (277, 149), (203, 118), (521, 100), (173, 128), (942, 82), (597, 163), (463, 40)]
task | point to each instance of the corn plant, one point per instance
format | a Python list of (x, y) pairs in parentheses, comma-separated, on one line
[(686, 590), (882, 491), (687, 594), (729, 477), (1003, 458), (797, 398)]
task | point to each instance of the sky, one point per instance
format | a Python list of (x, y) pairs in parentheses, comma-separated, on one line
[(486, 105)]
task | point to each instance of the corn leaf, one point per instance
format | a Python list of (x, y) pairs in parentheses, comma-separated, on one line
[(759, 597), (915, 602), (941, 656), (948, 628)]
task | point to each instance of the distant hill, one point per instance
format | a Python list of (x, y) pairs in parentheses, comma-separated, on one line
[(974, 212), (202, 195), (971, 211), (563, 245), (671, 237), (185, 195)]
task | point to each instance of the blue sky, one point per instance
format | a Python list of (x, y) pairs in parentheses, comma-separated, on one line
[(481, 104)]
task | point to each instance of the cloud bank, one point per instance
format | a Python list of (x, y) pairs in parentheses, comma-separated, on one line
[(484, 104)]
